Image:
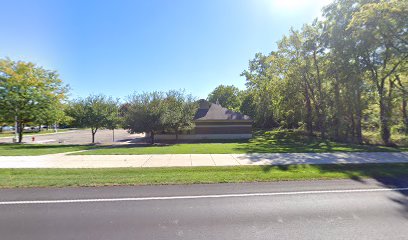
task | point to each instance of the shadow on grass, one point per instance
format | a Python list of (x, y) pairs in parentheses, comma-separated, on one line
[(287, 141), (276, 141), (143, 144), (279, 141)]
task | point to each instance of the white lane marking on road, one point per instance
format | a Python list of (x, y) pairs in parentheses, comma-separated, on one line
[(201, 196)]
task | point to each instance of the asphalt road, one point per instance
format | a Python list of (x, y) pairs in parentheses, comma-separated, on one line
[(79, 137), (342, 209)]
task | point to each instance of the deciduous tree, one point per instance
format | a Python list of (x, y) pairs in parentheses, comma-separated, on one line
[(178, 111), (28, 92), (143, 114), (227, 96), (95, 112)]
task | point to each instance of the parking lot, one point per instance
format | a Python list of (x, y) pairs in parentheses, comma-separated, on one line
[(80, 137)]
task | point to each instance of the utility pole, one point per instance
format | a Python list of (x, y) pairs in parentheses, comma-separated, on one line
[(113, 135)]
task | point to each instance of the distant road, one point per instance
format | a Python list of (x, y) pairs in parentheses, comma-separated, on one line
[(79, 137), (341, 209)]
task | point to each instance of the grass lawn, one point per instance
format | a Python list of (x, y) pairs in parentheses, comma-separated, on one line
[(7, 149), (263, 142), (13, 178)]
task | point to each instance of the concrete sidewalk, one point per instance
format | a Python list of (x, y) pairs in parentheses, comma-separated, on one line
[(189, 160)]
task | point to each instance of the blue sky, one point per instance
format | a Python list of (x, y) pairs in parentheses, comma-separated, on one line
[(118, 47)]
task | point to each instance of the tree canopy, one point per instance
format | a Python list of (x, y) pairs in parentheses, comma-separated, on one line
[(95, 112), (337, 76), (178, 111), (29, 93), (227, 96), (156, 112)]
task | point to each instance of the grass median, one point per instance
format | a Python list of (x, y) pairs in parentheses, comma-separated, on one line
[(8, 149), (16, 178)]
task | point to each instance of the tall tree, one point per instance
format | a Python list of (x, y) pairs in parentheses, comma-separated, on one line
[(226, 96), (27, 92), (248, 105), (95, 112), (340, 72), (143, 114), (53, 116), (381, 28), (155, 112), (178, 111), (262, 88), (296, 71), (344, 70), (313, 49)]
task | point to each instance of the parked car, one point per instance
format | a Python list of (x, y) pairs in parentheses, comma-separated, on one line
[(7, 128), (31, 129)]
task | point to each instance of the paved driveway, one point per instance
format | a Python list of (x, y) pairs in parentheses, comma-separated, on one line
[(80, 137)]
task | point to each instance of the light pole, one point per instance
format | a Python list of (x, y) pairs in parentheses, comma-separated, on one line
[(113, 135)]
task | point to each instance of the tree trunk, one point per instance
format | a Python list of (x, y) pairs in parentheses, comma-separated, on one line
[(384, 122), (176, 131), (152, 137), (322, 124), (359, 134), (405, 113), (353, 128), (320, 106), (20, 129), (359, 114), (337, 111), (93, 134), (404, 104), (309, 123), (359, 111), (384, 112)]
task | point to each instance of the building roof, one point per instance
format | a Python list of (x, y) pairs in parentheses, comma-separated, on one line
[(213, 111)]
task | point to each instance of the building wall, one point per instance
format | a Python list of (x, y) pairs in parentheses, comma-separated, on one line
[(201, 136), (223, 127)]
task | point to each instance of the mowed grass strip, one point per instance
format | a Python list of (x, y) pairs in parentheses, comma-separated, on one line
[(17, 178), (279, 141), (263, 142), (7, 149), (235, 148)]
